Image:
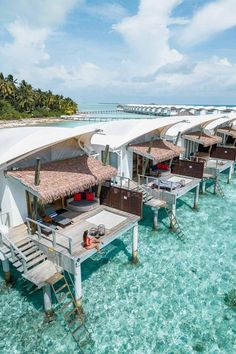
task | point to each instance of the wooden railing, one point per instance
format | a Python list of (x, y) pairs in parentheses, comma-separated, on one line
[(5, 221), (16, 253), (122, 182), (55, 234)]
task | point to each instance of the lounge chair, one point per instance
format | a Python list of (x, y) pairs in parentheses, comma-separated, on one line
[(45, 230), (57, 219)]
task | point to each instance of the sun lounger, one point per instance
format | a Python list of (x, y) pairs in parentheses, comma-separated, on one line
[(165, 184), (45, 230), (58, 219)]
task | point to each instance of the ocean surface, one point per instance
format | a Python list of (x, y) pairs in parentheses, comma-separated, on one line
[(172, 302)]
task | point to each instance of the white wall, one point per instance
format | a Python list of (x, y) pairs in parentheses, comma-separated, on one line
[(127, 163), (13, 200)]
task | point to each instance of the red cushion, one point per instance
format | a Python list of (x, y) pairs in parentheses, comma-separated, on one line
[(77, 196), (162, 166), (89, 196)]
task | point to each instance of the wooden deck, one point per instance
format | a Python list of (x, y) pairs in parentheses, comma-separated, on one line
[(172, 196), (44, 258), (61, 254)]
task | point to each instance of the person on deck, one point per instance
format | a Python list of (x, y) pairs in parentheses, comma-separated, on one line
[(90, 242)]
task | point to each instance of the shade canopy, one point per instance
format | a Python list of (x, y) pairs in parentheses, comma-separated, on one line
[(161, 150), (203, 138), (229, 132), (63, 178), (18, 143)]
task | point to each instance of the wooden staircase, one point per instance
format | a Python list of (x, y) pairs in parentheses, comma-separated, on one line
[(146, 196), (73, 315), (175, 225), (28, 259)]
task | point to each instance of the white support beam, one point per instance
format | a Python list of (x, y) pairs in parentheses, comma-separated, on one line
[(6, 270), (47, 299), (135, 244), (231, 172), (78, 284), (196, 197), (204, 187), (173, 215), (155, 218)]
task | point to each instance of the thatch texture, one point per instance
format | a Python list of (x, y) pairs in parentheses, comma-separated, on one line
[(161, 150), (203, 138), (59, 179), (229, 132)]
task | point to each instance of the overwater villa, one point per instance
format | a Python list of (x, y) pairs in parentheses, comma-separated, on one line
[(228, 133), (171, 110), (54, 193), (201, 144), (167, 157)]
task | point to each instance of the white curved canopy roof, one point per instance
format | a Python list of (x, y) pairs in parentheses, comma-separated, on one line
[(194, 121), (18, 142), (118, 133)]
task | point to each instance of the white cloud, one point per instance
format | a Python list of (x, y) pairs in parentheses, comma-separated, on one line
[(147, 35), (27, 47), (109, 11), (208, 78), (38, 12), (209, 20)]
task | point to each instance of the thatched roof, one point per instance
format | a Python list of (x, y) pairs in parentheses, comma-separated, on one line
[(227, 131), (161, 150), (59, 179), (202, 138)]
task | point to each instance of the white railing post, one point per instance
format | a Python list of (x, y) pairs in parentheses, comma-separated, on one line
[(24, 266), (70, 245), (39, 231), (54, 240), (13, 256)]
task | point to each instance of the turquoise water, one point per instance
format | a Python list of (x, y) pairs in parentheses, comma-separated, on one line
[(172, 302), (99, 107)]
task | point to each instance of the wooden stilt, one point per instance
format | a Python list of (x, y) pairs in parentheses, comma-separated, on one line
[(135, 245), (35, 199), (196, 198), (173, 215), (105, 161), (6, 270), (78, 285), (47, 301), (155, 219), (203, 187), (215, 184)]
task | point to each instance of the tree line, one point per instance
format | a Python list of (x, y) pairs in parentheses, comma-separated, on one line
[(21, 100)]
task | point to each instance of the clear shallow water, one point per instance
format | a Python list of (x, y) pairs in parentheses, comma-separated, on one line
[(99, 107), (171, 303)]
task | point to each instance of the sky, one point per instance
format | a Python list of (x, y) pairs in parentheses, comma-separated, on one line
[(124, 51)]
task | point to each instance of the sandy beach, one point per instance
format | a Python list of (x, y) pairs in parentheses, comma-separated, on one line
[(28, 122)]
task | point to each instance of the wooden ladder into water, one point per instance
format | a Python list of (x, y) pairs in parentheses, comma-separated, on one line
[(219, 189), (73, 315), (175, 225)]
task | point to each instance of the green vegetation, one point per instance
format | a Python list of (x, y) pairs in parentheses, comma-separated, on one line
[(21, 100)]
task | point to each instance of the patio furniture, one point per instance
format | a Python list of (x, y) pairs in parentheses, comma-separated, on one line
[(101, 230), (46, 223), (56, 218), (82, 205)]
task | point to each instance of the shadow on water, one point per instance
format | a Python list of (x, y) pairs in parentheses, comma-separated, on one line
[(91, 265), (23, 287)]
